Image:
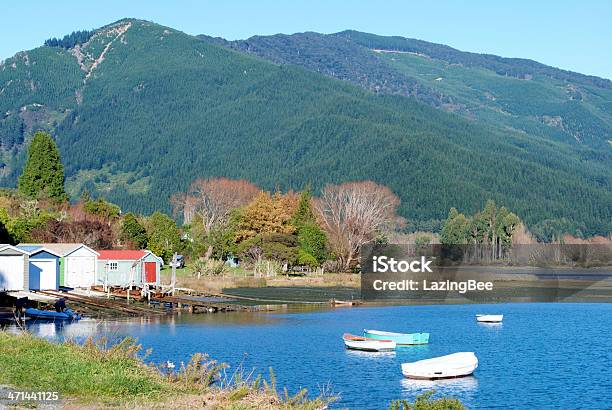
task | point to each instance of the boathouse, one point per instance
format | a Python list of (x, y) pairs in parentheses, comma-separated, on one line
[(125, 267), (78, 263), (43, 267), (14, 268)]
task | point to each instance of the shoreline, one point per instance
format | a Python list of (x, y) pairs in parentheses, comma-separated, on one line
[(239, 293)]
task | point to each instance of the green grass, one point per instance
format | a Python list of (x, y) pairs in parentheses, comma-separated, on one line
[(100, 376), (83, 371)]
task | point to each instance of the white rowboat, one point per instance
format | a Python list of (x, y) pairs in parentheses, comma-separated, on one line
[(443, 367), (490, 318), (368, 345)]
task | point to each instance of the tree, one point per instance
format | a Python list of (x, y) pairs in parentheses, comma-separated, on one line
[(132, 232), (490, 231), (212, 200), (43, 173), (267, 214), (313, 242), (304, 213), (95, 234), (311, 238), (164, 236), (102, 209), (353, 213), (455, 229)]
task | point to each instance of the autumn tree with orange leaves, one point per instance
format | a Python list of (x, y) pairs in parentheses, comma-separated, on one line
[(267, 214)]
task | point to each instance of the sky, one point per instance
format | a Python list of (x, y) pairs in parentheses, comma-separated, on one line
[(573, 35)]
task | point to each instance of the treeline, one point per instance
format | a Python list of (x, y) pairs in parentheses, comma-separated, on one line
[(70, 40), (224, 219)]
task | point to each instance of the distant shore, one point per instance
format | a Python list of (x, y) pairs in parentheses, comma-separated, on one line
[(566, 283)]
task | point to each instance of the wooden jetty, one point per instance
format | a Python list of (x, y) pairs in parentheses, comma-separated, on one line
[(98, 306)]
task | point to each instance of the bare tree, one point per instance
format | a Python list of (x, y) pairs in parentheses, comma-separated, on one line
[(212, 199), (185, 204), (352, 213)]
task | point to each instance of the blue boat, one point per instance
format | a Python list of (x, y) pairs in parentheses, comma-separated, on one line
[(67, 314), (401, 339)]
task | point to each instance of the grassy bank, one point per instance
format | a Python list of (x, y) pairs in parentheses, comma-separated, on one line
[(96, 376)]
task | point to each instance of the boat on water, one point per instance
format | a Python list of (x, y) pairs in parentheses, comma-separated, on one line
[(401, 339), (67, 314), (366, 344), (490, 318), (444, 367)]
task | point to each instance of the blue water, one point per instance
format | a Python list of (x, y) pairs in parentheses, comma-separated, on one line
[(542, 356)]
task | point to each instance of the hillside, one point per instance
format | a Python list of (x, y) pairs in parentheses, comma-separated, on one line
[(518, 93), (139, 110)]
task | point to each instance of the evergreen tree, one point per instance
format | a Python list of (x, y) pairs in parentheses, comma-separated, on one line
[(43, 173), (304, 214), (133, 232), (455, 228), (311, 238)]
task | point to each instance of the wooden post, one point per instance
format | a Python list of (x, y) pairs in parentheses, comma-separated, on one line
[(174, 263), (107, 268), (105, 276), (130, 283)]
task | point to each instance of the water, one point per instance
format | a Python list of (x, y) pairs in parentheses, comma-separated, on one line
[(542, 356)]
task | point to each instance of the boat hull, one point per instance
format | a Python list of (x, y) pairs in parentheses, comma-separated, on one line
[(445, 367), (401, 339), (68, 314), (489, 318), (368, 345)]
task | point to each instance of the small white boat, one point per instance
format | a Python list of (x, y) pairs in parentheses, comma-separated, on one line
[(444, 367), (366, 344), (490, 318)]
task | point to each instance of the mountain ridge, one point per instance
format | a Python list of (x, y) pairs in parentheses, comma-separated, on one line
[(557, 103), (162, 108)]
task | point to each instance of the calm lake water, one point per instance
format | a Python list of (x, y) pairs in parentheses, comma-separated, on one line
[(548, 355)]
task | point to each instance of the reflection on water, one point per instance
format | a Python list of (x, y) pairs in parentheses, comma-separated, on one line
[(420, 349), (497, 325), (445, 387), (369, 355)]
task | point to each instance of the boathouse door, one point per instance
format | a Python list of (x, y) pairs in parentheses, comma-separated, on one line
[(150, 272)]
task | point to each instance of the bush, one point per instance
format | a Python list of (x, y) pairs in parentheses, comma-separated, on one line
[(304, 258), (312, 241), (268, 268), (426, 402), (209, 267)]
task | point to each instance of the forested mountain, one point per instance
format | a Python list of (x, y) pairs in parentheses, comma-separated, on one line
[(517, 93), (139, 110)]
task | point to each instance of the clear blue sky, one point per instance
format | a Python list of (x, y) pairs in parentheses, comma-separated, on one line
[(574, 35)]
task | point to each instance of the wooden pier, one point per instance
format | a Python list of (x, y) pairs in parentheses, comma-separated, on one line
[(115, 303)]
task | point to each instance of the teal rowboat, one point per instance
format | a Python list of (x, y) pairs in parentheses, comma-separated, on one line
[(401, 339)]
